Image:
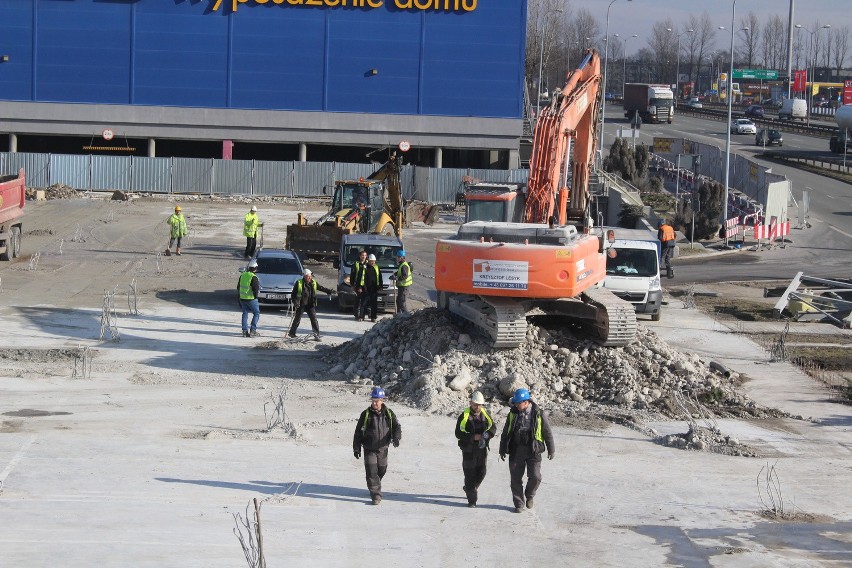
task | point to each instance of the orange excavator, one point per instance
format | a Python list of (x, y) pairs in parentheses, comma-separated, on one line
[(495, 272)]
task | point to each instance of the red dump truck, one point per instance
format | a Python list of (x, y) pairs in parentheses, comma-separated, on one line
[(11, 210)]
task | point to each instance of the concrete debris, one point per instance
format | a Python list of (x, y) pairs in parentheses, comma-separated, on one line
[(707, 440), (425, 360), (55, 191)]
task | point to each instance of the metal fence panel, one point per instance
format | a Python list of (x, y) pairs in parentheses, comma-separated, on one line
[(151, 175), (408, 184), (110, 173), (70, 170), (313, 179), (272, 178), (36, 167), (444, 183), (344, 171), (232, 176), (519, 176), (192, 175)]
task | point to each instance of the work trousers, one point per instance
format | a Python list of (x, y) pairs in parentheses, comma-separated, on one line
[(524, 460), (297, 318), (172, 241), (356, 305), (401, 299), (250, 306), (251, 245), (375, 466), (667, 253), (474, 466), (369, 302)]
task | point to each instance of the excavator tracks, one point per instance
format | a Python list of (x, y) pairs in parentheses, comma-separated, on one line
[(502, 319), (615, 321)]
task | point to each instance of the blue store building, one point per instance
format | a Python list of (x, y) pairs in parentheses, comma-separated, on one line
[(317, 80)]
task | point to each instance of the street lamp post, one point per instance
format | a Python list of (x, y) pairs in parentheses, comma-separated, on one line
[(624, 71), (810, 96), (729, 88), (677, 68), (606, 56)]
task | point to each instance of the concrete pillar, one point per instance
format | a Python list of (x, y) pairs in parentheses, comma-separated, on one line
[(13, 142), (514, 159), (494, 158), (152, 148), (303, 152), (439, 157)]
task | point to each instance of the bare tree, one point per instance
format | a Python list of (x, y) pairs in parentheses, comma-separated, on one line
[(705, 33), (749, 39), (663, 44), (841, 47), (546, 23), (692, 48), (774, 43)]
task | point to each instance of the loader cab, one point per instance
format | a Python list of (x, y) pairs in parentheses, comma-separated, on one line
[(364, 196), (495, 202)]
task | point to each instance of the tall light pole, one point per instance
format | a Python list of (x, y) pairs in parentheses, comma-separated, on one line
[(624, 72), (606, 56), (541, 59), (810, 96), (677, 69), (729, 88)]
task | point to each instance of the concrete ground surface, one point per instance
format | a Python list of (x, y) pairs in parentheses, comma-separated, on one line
[(144, 460)]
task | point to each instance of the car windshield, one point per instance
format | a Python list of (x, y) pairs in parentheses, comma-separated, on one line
[(632, 262), (385, 255), (278, 265)]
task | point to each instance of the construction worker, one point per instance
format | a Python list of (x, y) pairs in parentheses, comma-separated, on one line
[(358, 285), (474, 429), (376, 429), (250, 225), (304, 299), (666, 235), (403, 282), (177, 222), (525, 436), (370, 278), (248, 288)]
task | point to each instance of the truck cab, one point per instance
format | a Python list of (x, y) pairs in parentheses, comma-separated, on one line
[(385, 248), (633, 274)]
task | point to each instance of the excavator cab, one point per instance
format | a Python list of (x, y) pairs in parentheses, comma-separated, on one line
[(495, 202), (358, 202)]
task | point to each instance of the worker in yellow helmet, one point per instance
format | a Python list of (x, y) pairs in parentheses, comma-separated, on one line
[(177, 222)]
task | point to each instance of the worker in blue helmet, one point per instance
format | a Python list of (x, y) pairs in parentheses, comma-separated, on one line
[(376, 429), (403, 279), (525, 436)]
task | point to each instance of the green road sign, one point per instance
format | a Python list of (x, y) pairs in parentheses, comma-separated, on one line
[(764, 74)]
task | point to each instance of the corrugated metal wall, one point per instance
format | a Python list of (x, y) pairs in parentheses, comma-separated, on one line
[(228, 177)]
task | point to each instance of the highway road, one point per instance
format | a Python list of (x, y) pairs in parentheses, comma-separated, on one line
[(824, 249)]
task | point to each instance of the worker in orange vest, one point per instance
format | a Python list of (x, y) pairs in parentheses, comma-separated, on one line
[(666, 235)]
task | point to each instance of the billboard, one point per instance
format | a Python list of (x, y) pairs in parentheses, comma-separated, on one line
[(847, 92)]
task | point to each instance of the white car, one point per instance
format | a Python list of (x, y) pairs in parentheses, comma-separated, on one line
[(743, 126), (694, 103)]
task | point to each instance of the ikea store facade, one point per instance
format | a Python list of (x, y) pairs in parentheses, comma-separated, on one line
[(310, 80)]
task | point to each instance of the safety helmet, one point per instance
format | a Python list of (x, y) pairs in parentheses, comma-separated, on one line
[(253, 264), (520, 395), (661, 222), (254, 208), (177, 208), (401, 253), (377, 392), (477, 398), (308, 272), (371, 257)]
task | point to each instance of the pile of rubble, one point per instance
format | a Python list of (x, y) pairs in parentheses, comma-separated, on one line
[(700, 438), (55, 191), (425, 360)]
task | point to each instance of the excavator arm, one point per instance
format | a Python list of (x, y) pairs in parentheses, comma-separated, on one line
[(564, 128), (389, 175)]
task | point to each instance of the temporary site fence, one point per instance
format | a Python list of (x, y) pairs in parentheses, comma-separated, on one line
[(202, 176)]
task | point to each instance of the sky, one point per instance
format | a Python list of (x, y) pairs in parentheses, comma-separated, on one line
[(638, 16)]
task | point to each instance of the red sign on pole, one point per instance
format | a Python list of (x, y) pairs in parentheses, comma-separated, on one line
[(800, 79), (847, 92)]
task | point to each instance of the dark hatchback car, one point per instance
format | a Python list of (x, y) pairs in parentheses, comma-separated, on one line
[(768, 137), (754, 111)]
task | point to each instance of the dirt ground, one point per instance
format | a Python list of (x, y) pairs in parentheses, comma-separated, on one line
[(136, 441)]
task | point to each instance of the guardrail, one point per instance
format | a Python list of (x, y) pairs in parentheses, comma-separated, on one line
[(822, 163), (783, 125)]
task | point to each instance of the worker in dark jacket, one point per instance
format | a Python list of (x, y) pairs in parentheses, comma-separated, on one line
[(474, 429), (376, 429), (525, 437), (304, 299), (356, 276), (371, 278)]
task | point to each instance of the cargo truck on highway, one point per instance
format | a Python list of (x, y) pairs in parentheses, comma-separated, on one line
[(12, 195), (842, 139), (653, 103)]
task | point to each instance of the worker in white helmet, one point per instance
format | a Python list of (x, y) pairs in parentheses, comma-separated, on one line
[(304, 298), (250, 224)]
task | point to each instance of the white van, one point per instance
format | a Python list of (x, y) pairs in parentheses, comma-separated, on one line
[(633, 274), (793, 109)]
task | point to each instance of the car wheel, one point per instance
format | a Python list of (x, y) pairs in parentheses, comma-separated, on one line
[(655, 317)]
